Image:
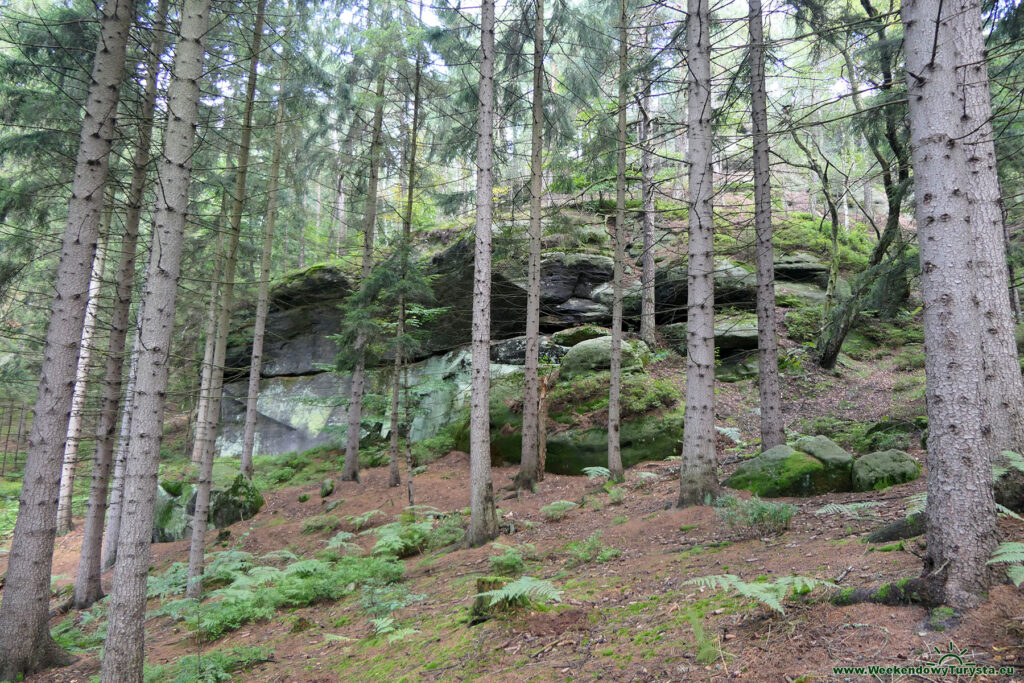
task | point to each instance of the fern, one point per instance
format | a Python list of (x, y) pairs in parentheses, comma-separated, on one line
[(770, 594), (168, 583), (341, 540), (595, 473), (1007, 512), (1011, 553), (916, 504), (281, 555), (557, 510), (851, 510), (522, 591), (359, 521), (1013, 460)]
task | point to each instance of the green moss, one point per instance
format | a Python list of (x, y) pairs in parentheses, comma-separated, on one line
[(883, 592)]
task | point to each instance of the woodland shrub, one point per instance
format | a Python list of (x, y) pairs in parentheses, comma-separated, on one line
[(754, 517)]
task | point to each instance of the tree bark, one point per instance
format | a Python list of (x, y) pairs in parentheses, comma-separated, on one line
[(697, 469), (772, 432), (263, 296), (87, 581), (121, 455), (957, 205), (527, 475), (647, 206), (197, 549), (355, 405), (483, 523), (26, 645), (123, 655), (615, 371), (77, 417)]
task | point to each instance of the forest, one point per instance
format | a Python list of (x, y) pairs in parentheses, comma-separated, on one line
[(511, 341)]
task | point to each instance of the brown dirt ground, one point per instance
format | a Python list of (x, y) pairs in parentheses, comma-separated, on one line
[(625, 619)]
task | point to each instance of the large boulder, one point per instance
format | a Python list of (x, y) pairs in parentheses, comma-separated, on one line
[(882, 469), (782, 471), (564, 276), (513, 351), (594, 355), (734, 286), (239, 501), (733, 334), (838, 462), (801, 267), (170, 520)]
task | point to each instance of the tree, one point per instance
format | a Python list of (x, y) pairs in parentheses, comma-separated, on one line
[(957, 208), (355, 405), (646, 143), (26, 645), (263, 296), (483, 522), (697, 469), (529, 470), (87, 581), (619, 239), (197, 549), (772, 432), (123, 656)]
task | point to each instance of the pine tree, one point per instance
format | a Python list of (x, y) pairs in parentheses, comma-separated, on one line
[(26, 645)]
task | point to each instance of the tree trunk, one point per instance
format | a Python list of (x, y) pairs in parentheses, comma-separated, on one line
[(957, 207), (121, 455), (772, 432), (263, 297), (697, 469), (483, 523), (26, 645), (197, 549), (87, 581), (527, 476), (123, 655), (204, 406), (647, 205), (77, 417), (615, 377), (355, 405)]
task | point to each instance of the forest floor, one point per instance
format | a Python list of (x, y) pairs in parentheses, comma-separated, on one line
[(627, 611)]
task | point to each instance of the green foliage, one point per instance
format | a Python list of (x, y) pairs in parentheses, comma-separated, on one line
[(616, 495), (770, 593), (595, 473), (341, 540), (321, 523), (169, 582), (380, 601), (512, 561), (804, 232), (640, 395), (523, 591), (1011, 553), (210, 667), (755, 517), (708, 650), (402, 539), (866, 436), (590, 550), (851, 510), (359, 521), (556, 511), (804, 324), (449, 529)]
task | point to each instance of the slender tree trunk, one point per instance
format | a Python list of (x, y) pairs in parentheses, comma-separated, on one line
[(355, 405), (87, 581), (957, 209), (339, 207), (26, 645), (197, 549), (203, 408), (483, 523), (123, 654), (615, 379), (394, 477), (647, 205), (263, 297), (697, 469), (772, 432), (121, 457), (527, 476), (74, 436), (408, 420)]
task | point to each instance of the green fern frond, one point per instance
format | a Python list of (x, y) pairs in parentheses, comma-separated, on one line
[(597, 472), (383, 625), (770, 594), (1012, 460), (341, 540), (851, 510), (916, 504), (523, 590), (1007, 512), (401, 634), (1012, 552), (281, 555), (1016, 574)]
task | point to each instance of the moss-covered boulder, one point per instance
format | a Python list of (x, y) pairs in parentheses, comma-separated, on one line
[(782, 471), (654, 437), (801, 267), (595, 355), (170, 520), (237, 502), (734, 286), (575, 335), (733, 334), (883, 469), (838, 462)]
